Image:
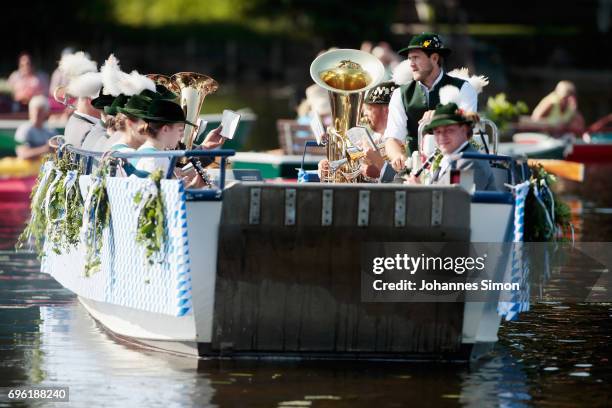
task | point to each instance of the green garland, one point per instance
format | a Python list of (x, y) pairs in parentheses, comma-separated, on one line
[(150, 231), (98, 215), (36, 227), (65, 210), (537, 226)]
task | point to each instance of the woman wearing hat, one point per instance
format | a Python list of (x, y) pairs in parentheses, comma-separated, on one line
[(452, 129), (419, 94), (164, 123), (127, 113)]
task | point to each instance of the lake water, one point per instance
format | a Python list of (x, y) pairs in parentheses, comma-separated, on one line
[(554, 355)]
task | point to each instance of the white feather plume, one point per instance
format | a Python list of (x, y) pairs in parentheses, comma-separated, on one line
[(477, 81), (74, 65), (85, 86), (134, 83), (402, 73), (450, 94), (111, 76)]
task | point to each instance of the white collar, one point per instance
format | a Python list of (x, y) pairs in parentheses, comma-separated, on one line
[(446, 159), (91, 118), (438, 79)]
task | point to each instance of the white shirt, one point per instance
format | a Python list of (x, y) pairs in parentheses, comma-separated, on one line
[(150, 164), (446, 159), (397, 119)]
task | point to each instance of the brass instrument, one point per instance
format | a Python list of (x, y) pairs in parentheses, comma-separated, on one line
[(165, 80), (63, 98), (347, 74), (193, 88), (356, 154)]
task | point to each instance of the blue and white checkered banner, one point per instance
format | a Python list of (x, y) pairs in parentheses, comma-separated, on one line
[(125, 277), (519, 271)]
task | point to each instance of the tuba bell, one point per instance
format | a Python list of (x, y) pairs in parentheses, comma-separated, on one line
[(193, 88), (346, 74), (165, 80)]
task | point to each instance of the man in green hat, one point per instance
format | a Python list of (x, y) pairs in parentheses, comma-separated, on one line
[(416, 99), (452, 129)]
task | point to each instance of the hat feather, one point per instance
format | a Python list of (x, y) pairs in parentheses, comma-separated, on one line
[(85, 86), (134, 83), (477, 81), (111, 76), (74, 65), (402, 73), (449, 94)]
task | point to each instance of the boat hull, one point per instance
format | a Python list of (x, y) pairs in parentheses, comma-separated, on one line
[(275, 272)]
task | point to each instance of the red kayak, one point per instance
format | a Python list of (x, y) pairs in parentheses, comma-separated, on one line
[(14, 208), (590, 153), (16, 189)]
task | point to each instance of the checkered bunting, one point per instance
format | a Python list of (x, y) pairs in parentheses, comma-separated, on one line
[(519, 272), (125, 277)]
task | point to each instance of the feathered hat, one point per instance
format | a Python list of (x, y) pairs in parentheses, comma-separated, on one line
[(117, 82), (77, 64)]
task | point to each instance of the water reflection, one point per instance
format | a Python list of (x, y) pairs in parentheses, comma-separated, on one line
[(555, 355)]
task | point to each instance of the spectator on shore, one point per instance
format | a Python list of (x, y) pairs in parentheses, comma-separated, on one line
[(559, 109), (387, 56), (26, 83), (33, 136)]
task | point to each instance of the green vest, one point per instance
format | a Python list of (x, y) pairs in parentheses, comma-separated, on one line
[(415, 104)]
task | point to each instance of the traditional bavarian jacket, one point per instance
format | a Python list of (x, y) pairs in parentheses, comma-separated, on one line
[(484, 179), (78, 127), (409, 102)]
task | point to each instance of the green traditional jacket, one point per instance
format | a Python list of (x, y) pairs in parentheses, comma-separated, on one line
[(416, 104)]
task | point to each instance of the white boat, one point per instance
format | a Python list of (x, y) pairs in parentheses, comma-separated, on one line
[(534, 145), (265, 269)]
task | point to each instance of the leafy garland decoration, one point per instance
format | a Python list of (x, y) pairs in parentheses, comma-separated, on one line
[(96, 217), (63, 207), (150, 229), (36, 227), (546, 216)]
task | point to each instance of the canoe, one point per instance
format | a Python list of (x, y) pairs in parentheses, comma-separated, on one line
[(273, 166), (593, 148), (533, 145)]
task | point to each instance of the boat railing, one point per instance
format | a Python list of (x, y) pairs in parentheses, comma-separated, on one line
[(88, 158)]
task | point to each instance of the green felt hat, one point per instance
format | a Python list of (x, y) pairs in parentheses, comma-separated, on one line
[(161, 92), (119, 102), (381, 93), (137, 105), (445, 115), (102, 100), (427, 42), (164, 111)]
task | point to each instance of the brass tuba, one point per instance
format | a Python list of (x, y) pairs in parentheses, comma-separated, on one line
[(165, 80), (347, 75), (193, 88)]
